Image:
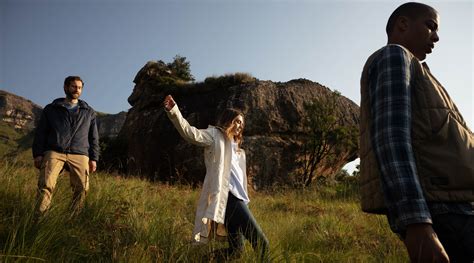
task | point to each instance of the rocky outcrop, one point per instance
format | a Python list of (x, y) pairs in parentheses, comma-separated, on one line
[(273, 132), (18, 112), (109, 125), (22, 114)]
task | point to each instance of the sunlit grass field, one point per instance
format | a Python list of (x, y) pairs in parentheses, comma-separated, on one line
[(133, 220)]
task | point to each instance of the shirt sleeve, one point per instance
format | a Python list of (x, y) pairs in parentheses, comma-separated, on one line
[(390, 98), (94, 148), (200, 137), (41, 135)]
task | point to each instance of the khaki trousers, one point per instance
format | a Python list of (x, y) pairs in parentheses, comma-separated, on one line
[(53, 163)]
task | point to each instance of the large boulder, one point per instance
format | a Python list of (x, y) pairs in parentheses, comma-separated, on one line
[(273, 134), (23, 115)]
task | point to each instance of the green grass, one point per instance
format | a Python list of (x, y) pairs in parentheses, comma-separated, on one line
[(15, 144), (131, 220), (8, 137)]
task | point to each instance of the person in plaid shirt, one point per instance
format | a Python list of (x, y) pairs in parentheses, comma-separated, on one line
[(434, 230)]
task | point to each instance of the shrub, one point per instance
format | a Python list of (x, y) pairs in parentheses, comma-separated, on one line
[(327, 136), (230, 79), (181, 69)]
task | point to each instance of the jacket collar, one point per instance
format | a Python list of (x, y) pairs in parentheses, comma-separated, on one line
[(59, 102)]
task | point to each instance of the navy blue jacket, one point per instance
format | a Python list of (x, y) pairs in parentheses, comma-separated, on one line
[(65, 132)]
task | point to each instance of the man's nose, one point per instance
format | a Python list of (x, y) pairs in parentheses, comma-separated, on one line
[(435, 37)]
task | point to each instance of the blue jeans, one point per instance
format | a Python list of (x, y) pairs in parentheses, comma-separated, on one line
[(456, 233), (240, 223)]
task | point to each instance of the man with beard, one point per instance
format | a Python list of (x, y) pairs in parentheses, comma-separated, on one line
[(66, 137)]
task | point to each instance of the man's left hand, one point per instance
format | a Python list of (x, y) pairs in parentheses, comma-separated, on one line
[(92, 166), (423, 244)]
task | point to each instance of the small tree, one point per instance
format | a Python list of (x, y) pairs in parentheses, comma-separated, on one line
[(326, 136), (181, 68)]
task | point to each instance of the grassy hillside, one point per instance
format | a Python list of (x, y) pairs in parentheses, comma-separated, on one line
[(131, 220), (14, 144), (8, 137)]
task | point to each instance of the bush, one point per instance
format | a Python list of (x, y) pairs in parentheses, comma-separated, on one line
[(327, 136), (181, 69), (230, 79)]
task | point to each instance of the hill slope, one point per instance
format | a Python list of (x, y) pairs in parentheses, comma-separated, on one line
[(130, 220)]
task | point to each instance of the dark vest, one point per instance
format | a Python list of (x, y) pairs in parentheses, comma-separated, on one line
[(442, 143)]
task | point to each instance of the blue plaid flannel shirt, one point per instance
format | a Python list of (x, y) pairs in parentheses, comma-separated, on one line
[(389, 91)]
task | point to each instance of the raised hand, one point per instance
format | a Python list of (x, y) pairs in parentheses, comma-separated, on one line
[(169, 102)]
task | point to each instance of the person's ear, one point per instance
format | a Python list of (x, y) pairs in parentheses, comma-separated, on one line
[(403, 23)]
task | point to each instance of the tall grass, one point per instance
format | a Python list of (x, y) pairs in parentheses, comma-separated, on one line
[(131, 220)]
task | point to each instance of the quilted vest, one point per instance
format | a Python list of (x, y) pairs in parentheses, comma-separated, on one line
[(442, 143)]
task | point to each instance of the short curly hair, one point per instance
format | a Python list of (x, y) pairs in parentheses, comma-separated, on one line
[(70, 79)]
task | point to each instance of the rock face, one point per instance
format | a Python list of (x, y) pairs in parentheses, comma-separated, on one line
[(273, 126), (109, 125), (18, 112), (22, 114)]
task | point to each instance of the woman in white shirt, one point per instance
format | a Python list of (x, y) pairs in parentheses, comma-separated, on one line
[(224, 195)]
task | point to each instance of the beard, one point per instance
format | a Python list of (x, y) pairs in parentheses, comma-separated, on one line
[(71, 95)]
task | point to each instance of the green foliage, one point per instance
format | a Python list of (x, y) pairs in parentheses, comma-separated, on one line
[(327, 136), (228, 80), (181, 68), (176, 73), (15, 144), (8, 137), (341, 175), (131, 220)]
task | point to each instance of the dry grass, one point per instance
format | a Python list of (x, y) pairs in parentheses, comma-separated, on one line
[(131, 220)]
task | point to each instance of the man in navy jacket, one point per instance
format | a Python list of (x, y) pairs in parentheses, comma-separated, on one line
[(66, 137)]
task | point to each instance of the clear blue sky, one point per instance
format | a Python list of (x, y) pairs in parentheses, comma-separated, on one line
[(106, 42)]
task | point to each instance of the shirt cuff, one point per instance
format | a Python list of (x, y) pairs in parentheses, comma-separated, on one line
[(408, 212)]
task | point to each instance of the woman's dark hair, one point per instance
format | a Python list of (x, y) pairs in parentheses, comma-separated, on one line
[(225, 122)]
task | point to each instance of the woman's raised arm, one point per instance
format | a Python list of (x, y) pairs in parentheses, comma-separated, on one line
[(188, 132)]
